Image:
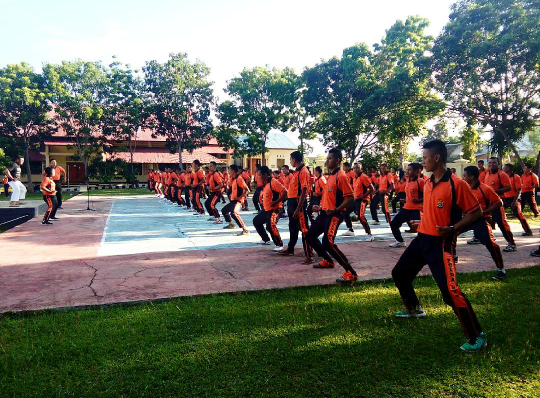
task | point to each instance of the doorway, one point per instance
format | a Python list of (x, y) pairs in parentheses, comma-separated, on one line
[(75, 172)]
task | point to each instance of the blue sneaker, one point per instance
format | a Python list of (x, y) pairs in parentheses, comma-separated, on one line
[(481, 342), (418, 312)]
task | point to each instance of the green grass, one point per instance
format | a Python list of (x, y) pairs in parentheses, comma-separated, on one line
[(529, 215), (39, 196), (301, 342), (120, 192)]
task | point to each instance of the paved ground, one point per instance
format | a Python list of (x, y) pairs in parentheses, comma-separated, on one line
[(141, 248)]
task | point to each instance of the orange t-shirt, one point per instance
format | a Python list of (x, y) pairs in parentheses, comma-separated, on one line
[(285, 180), (197, 177), (497, 180), (385, 182), (486, 196), (529, 182), (58, 170), (298, 180), (337, 188), (319, 186), (515, 184), (271, 192), (438, 203), (156, 177), (239, 187), (414, 190), (258, 180), (214, 180), (180, 180), (375, 179), (482, 175), (361, 185), (48, 182)]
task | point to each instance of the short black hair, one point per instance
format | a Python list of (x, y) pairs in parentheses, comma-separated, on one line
[(258, 166), (197, 162), (495, 158), (481, 161), (318, 169), (415, 166), (51, 159), (346, 164), (48, 171), (529, 165), (438, 147), (234, 167), (336, 152), (297, 155), (286, 166), (472, 171), (214, 163), (510, 166), (264, 170)]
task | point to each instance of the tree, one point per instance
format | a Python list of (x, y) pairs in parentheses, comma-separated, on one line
[(438, 132), (485, 62), (126, 112), (80, 90), (299, 119), (180, 101), (469, 139), (24, 107), (261, 100)]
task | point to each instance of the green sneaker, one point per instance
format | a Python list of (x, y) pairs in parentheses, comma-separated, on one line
[(229, 226), (242, 233), (481, 342), (418, 312)]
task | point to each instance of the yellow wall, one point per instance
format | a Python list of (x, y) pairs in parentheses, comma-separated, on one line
[(271, 157)]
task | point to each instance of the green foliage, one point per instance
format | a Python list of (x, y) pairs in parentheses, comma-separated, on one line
[(180, 101), (486, 65), (438, 132), (261, 100), (534, 138), (107, 170), (518, 168), (5, 161), (469, 139)]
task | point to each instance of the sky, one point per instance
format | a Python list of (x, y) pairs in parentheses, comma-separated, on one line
[(227, 35)]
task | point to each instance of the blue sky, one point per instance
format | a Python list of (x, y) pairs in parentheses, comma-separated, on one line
[(226, 35)]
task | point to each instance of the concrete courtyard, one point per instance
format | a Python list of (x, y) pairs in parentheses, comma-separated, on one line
[(134, 248)]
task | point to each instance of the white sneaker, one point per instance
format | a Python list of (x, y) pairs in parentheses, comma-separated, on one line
[(375, 223), (348, 233), (398, 244), (262, 242), (369, 238), (218, 221), (278, 248)]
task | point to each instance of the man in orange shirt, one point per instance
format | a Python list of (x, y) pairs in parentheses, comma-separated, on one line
[(386, 184), (272, 196), (482, 171), (489, 201), (197, 184), (239, 191), (316, 195), (215, 184), (246, 175), (512, 198), (150, 179), (179, 187), (349, 172), (49, 191), (337, 196), (500, 183), (296, 206), (412, 210), (362, 189), (529, 182), (157, 183), (446, 198), (258, 188), (59, 173)]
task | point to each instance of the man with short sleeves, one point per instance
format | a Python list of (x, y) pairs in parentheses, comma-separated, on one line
[(59, 173), (362, 189), (18, 190), (215, 184), (512, 198), (337, 196), (446, 198), (529, 182), (386, 184)]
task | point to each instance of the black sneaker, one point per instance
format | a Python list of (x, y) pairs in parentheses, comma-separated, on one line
[(527, 234), (46, 223), (500, 275), (54, 218), (535, 253)]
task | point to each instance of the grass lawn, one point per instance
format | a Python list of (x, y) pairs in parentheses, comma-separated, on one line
[(39, 195), (119, 192), (315, 341), (529, 215)]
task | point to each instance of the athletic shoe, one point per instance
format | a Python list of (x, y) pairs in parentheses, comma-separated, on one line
[(510, 248), (417, 312), (54, 218), (527, 234), (535, 253), (369, 238), (481, 342), (347, 278), (229, 226), (262, 242), (242, 233), (278, 248), (286, 252), (211, 219), (218, 221), (348, 233), (500, 275), (409, 231), (398, 244), (324, 264), (60, 207), (46, 223), (473, 241), (375, 223)]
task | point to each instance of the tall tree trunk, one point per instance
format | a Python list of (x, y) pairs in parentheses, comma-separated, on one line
[(537, 166), (301, 144), (511, 145), (29, 184), (180, 149), (263, 152)]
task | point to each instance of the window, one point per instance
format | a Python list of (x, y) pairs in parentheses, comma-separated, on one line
[(35, 168)]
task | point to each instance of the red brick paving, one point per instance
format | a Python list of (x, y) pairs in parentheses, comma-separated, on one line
[(57, 266)]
